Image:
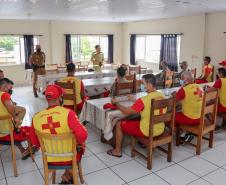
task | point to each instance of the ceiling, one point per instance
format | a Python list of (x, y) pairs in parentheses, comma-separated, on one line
[(106, 10)]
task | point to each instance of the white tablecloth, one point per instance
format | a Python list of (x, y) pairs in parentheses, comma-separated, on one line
[(44, 80), (105, 120)]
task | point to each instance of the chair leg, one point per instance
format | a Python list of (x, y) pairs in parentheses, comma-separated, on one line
[(133, 141), (170, 149), (46, 175), (74, 173), (178, 136), (199, 142), (80, 172), (211, 139), (149, 158), (14, 159), (54, 177), (30, 150)]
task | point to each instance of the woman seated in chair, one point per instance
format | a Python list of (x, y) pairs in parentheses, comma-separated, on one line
[(160, 78), (7, 108), (80, 92), (121, 73), (207, 72), (139, 127)]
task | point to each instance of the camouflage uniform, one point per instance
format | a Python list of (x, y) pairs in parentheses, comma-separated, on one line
[(37, 60), (97, 59)]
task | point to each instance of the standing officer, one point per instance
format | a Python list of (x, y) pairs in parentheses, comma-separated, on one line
[(97, 58), (37, 60)]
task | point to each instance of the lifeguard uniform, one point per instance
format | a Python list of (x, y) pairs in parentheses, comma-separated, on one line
[(140, 128), (79, 87), (206, 72), (4, 125), (221, 85), (191, 97), (58, 120)]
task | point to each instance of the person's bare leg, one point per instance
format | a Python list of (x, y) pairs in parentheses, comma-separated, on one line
[(119, 138)]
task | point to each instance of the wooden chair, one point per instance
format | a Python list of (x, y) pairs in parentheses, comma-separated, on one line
[(194, 72), (12, 143), (134, 70), (82, 68), (209, 109), (71, 95), (123, 88), (53, 146), (165, 138), (130, 77), (168, 79)]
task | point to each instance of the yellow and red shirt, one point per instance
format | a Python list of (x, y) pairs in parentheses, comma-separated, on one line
[(57, 120), (4, 125), (143, 106), (79, 88), (191, 97), (207, 72), (221, 85)]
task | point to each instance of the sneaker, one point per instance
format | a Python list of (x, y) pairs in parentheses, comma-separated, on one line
[(188, 137)]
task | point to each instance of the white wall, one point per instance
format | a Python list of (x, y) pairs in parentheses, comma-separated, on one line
[(215, 38), (203, 35), (192, 42)]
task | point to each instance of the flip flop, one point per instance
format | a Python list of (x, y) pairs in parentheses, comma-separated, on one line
[(109, 152)]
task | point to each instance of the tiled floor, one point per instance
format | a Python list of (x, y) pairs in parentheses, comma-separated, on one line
[(101, 169)]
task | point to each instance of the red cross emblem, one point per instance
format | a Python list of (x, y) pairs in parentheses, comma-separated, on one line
[(51, 125), (198, 92)]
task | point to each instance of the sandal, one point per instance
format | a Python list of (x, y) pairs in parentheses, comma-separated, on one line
[(109, 152)]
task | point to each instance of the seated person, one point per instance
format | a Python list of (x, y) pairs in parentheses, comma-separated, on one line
[(160, 77), (140, 127), (80, 92), (67, 123), (1, 74), (220, 84), (126, 68), (191, 97), (207, 72), (121, 73), (19, 111), (184, 67), (7, 108)]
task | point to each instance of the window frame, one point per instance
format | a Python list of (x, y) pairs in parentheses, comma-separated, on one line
[(80, 59)]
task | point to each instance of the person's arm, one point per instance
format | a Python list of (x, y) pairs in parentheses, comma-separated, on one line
[(180, 94), (217, 85), (137, 107), (77, 128), (6, 100), (33, 136)]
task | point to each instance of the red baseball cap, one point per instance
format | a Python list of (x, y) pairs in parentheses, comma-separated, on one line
[(223, 63), (53, 92)]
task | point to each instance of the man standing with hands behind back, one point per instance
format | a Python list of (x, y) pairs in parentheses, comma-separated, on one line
[(97, 58), (37, 60)]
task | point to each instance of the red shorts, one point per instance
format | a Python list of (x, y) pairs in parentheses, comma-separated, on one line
[(181, 119), (221, 108), (23, 135), (200, 81), (131, 128)]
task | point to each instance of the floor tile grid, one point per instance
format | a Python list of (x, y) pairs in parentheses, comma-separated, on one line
[(3, 169)]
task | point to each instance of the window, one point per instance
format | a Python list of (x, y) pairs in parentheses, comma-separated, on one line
[(12, 49), (84, 45), (148, 48)]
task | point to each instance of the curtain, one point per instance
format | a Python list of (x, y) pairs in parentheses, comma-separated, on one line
[(68, 57), (28, 49), (168, 51), (133, 49), (110, 49)]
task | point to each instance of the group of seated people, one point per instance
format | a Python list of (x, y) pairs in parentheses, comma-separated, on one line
[(59, 111)]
